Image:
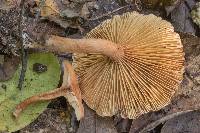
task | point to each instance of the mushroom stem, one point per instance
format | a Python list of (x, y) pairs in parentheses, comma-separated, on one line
[(62, 91), (105, 47), (69, 89)]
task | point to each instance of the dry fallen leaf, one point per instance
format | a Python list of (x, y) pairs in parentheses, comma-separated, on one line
[(64, 15), (48, 7), (8, 68), (7, 4), (92, 123), (187, 123), (196, 14)]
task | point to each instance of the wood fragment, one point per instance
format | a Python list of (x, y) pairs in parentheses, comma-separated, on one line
[(24, 53)]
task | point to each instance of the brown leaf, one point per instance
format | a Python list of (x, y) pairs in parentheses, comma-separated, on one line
[(191, 45), (180, 18), (185, 123), (48, 7), (92, 123), (49, 121), (7, 4), (122, 125), (8, 68), (65, 15)]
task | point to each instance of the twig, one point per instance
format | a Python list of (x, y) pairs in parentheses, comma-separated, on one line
[(23, 51), (107, 14), (163, 119)]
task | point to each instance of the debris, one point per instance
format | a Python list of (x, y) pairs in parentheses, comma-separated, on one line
[(8, 68), (48, 7), (9, 35), (188, 122), (39, 68), (180, 18), (196, 14), (190, 45), (8, 4), (109, 13), (122, 125), (92, 123), (51, 120), (157, 3), (64, 15)]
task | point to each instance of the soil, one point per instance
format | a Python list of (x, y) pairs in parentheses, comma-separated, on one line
[(180, 116)]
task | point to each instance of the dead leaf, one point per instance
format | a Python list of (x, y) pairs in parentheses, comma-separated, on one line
[(51, 120), (122, 125), (7, 4), (191, 45), (8, 68), (196, 14), (62, 14), (187, 123), (180, 18), (85, 11), (48, 7), (92, 123)]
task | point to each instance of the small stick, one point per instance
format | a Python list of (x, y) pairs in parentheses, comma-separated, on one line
[(107, 14), (23, 51), (23, 70)]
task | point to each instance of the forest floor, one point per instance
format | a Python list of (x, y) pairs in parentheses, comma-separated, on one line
[(80, 16)]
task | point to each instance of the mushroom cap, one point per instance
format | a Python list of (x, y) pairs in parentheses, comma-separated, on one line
[(144, 79)]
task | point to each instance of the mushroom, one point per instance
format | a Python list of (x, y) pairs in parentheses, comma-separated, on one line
[(69, 89), (129, 65)]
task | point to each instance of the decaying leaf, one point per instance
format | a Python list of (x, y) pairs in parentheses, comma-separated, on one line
[(196, 14), (65, 15), (34, 83), (180, 20), (190, 45), (50, 121), (8, 67), (187, 123), (156, 3), (92, 123), (48, 7), (7, 4)]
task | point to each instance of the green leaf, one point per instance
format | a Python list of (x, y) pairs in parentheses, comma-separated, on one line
[(35, 83)]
